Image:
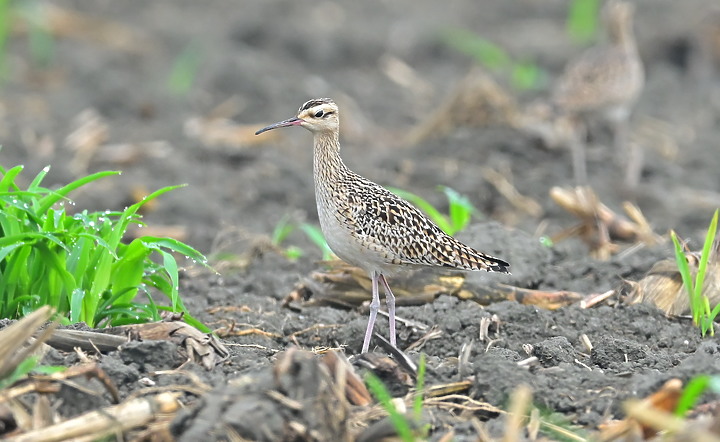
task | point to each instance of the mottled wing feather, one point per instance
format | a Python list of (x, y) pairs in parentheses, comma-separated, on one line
[(602, 76), (405, 235)]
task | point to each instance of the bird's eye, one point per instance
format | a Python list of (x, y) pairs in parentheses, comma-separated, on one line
[(319, 114)]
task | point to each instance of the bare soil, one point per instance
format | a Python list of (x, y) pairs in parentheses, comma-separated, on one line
[(270, 57)]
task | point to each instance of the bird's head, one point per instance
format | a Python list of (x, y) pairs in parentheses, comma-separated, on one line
[(317, 116)]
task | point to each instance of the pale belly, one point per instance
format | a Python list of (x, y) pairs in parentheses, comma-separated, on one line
[(349, 247)]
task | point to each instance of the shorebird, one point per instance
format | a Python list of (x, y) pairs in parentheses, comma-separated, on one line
[(368, 226), (606, 80)]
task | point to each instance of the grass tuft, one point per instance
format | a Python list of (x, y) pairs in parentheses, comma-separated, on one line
[(406, 431), (78, 263), (184, 70), (286, 226), (703, 315)]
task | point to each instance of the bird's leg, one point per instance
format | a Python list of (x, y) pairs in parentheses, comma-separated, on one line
[(633, 168), (628, 153), (390, 300), (620, 126), (579, 162), (374, 306), (578, 139)]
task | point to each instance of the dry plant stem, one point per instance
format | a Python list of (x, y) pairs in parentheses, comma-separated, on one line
[(646, 417), (49, 383), (348, 385), (90, 341), (659, 420), (520, 401), (451, 402), (450, 391), (101, 423), (503, 184), (15, 345), (598, 223), (595, 299), (497, 292)]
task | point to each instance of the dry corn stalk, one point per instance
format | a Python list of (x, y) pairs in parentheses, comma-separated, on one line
[(599, 225)]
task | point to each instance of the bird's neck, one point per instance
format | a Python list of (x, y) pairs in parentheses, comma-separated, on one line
[(327, 164), (622, 35)]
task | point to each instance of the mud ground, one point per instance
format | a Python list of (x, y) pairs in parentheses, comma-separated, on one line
[(270, 57)]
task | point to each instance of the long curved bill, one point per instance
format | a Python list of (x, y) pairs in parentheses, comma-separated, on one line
[(295, 121)]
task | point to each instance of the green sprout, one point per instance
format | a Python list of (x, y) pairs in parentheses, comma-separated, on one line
[(523, 75), (546, 241), (27, 366), (582, 20), (693, 390), (282, 230), (40, 40), (703, 315), (315, 235), (460, 209), (403, 425), (78, 263), (5, 26), (419, 388), (184, 70), (285, 227)]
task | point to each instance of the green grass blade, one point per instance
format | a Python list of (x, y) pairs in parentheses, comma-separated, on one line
[(60, 290), (5, 251), (184, 70), (527, 75), (684, 269), (175, 246), (485, 52), (53, 197), (23, 368), (316, 236), (8, 180), (128, 271), (49, 369), (171, 268), (281, 231), (691, 394), (399, 421), (99, 241), (419, 388), (5, 25), (582, 20), (461, 209), (35, 184), (129, 214), (76, 301), (42, 43), (704, 258), (714, 312)]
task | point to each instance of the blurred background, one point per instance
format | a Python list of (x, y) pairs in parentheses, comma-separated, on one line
[(172, 91)]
